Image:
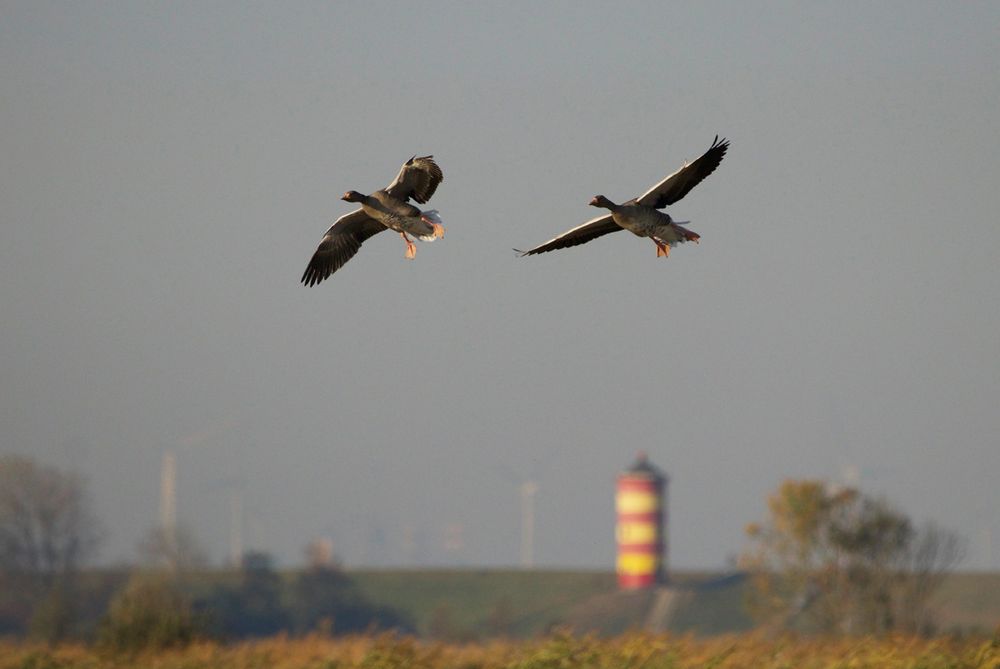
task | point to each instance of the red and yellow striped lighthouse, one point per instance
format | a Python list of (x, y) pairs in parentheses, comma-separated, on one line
[(641, 526)]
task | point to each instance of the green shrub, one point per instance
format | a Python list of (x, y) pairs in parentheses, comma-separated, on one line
[(149, 613)]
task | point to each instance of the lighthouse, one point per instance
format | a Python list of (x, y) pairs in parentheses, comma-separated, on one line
[(640, 531)]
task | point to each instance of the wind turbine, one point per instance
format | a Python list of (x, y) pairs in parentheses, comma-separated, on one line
[(528, 491)]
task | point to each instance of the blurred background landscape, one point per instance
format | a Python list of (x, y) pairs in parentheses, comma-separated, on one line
[(432, 445)]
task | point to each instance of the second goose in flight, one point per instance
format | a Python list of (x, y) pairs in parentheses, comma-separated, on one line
[(641, 216)]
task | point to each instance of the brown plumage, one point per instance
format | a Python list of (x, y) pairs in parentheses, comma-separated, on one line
[(640, 216), (388, 208), (418, 178)]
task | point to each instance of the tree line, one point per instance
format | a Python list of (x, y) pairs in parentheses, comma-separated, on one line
[(825, 559), (48, 534)]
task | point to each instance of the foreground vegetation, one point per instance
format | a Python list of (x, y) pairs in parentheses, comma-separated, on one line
[(559, 651)]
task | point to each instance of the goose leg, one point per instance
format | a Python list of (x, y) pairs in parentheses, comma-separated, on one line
[(662, 250), (411, 248)]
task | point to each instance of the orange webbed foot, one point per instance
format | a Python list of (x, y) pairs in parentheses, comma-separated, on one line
[(411, 248)]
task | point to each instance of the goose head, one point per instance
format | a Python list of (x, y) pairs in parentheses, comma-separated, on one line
[(353, 196), (602, 202)]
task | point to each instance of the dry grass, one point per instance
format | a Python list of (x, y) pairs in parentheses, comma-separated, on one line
[(561, 651)]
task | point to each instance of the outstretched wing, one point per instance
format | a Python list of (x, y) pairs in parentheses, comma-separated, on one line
[(581, 234), (677, 185), (418, 178), (339, 245)]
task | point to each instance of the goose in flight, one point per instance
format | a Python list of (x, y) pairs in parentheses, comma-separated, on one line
[(641, 215), (386, 209)]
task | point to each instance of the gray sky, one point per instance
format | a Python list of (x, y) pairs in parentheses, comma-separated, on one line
[(168, 169)]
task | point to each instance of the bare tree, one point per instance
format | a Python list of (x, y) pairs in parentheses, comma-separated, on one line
[(176, 549), (931, 556), (47, 531), (47, 527)]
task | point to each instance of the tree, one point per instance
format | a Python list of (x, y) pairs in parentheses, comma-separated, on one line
[(176, 549), (150, 613), (832, 559), (254, 607), (933, 553), (326, 599), (47, 531), (46, 524)]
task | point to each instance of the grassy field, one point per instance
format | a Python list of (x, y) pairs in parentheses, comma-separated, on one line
[(465, 605), (461, 604), (469, 619), (557, 651), (969, 601), (457, 603), (525, 603)]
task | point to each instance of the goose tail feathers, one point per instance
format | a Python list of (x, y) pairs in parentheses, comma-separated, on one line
[(435, 228)]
